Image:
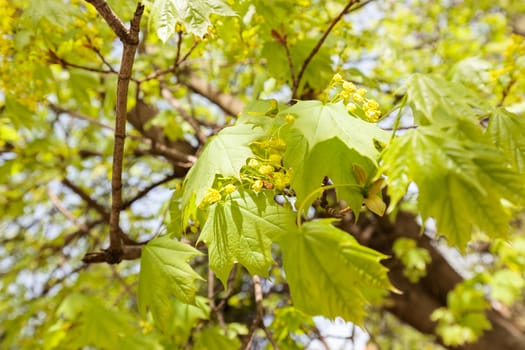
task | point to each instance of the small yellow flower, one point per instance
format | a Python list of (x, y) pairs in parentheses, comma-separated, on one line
[(357, 97), (211, 196), (349, 86), (257, 185), (289, 118), (371, 104), (266, 169), (361, 91), (180, 28), (253, 163), (277, 144), (337, 78), (281, 181), (229, 188), (275, 159), (351, 107)]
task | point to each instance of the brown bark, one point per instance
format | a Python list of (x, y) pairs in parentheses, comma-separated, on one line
[(419, 300)]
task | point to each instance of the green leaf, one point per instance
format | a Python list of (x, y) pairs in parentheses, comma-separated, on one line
[(214, 339), (436, 101), (507, 131), (322, 133), (165, 272), (224, 154), (330, 273), (461, 182), (90, 323), (506, 286), (241, 230), (184, 317), (194, 14)]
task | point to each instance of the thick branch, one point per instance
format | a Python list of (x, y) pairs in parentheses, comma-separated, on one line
[(166, 93), (228, 103), (128, 56), (113, 21)]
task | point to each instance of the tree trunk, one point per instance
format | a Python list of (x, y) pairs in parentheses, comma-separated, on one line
[(420, 299)]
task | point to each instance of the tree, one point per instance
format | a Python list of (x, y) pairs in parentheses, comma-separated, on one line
[(213, 174)]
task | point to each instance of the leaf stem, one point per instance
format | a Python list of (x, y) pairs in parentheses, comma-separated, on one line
[(317, 191)]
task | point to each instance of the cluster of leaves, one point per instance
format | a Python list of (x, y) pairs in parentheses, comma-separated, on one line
[(321, 262), (249, 198)]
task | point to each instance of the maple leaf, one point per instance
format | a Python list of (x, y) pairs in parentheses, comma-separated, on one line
[(193, 14), (241, 231), (165, 272), (461, 182), (330, 273), (327, 141)]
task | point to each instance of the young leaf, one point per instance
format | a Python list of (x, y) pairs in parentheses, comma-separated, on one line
[(435, 100), (507, 131), (322, 133), (241, 231), (461, 182), (224, 154), (165, 272), (193, 14), (330, 273)]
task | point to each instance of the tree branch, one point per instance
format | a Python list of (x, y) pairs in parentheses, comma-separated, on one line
[(114, 22), (166, 93), (317, 47), (258, 321), (92, 203), (146, 190), (228, 103)]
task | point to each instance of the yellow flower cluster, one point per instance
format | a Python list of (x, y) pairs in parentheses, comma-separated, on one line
[(212, 196), (265, 170), (514, 50), (354, 98)]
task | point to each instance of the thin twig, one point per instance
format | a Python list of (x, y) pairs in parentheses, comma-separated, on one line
[(258, 321), (229, 287), (506, 91), (60, 206), (179, 45), (100, 55), (211, 298), (64, 63), (317, 47), (147, 190), (166, 93), (92, 203), (185, 57)]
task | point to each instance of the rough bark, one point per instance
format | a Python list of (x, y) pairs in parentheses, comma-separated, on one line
[(419, 300)]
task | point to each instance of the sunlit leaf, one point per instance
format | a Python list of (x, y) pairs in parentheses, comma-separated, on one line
[(507, 131), (193, 14), (437, 101), (322, 133), (330, 273), (241, 230), (165, 273), (461, 182)]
